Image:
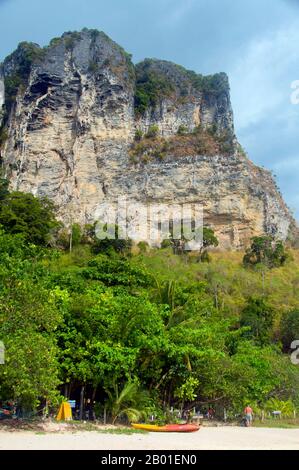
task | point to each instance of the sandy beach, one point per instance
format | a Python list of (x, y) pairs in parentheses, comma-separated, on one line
[(227, 438)]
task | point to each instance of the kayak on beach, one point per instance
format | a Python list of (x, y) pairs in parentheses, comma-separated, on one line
[(167, 427)]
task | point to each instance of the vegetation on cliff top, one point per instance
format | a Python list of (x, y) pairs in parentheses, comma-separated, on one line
[(150, 146), (157, 79), (20, 63), (154, 79)]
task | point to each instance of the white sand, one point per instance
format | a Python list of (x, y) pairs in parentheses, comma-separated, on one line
[(206, 438)]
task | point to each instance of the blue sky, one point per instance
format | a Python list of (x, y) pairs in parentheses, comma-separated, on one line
[(256, 42)]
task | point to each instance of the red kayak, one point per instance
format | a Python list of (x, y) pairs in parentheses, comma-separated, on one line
[(167, 427)]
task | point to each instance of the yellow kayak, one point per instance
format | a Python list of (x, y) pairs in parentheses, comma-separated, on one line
[(167, 427)]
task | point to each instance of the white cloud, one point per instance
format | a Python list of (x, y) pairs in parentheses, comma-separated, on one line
[(260, 80)]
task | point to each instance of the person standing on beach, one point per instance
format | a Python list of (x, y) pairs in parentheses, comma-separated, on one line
[(248, 414)]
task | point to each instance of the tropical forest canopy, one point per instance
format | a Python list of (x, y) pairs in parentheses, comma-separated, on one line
[(141, 330)]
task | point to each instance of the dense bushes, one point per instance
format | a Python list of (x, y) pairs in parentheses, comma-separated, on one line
[(140, 333), (123, 328), (267, 251), (150, 146), (26, 214), (25, 55), (157, 80), (151, 86)]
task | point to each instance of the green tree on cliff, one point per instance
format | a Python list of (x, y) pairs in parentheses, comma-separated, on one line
[(267, 251), (24, 213)]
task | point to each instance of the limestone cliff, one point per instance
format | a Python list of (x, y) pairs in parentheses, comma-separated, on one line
[(74, 116)]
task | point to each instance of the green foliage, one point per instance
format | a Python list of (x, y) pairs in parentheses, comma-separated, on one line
[(209, 238), (213, 84), (115, 271), (262, 373), (187, 390), (114, 240), (3, 135), (289, 328), (241, 150), (76, 234), (266, 251), (138, 135), (206, 235), (152, 132), (29, 315), (28, 215), (147, 332), (166, 243), (149, 148), (212, 130), (131, 402), (154, 84), (198, 142), (151, 86), (286, 407), (259, 317), (3, 188), (30, 371), (182, 130), (204, 257), (55, 42), (143, 246), (93, 67), (70, 39), (25, 56)]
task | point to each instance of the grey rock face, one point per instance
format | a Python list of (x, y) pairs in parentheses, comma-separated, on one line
[(73, 121)]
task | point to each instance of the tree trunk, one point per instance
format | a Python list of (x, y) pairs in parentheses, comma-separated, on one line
[(263, 282), (71, 239), (81, 402), (216, 299), (94, 391)]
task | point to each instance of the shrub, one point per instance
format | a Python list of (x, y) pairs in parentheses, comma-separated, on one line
[(166, 243), (142, 101), (4, 183), (205, 257), (212, 129), (70, 39), (76, 234), (93, 67), (151, 86), (258, 315), (285, 407), (182, 130), (152, 132), (105, 245), (25, 55), (138, 135), (289, 327), (55, 42), (209, 238), (3, 136), (114, 270), (143, 246), (267, 251), (29, 215)]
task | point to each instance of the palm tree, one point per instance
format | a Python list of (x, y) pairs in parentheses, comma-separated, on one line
[(130, 402)]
